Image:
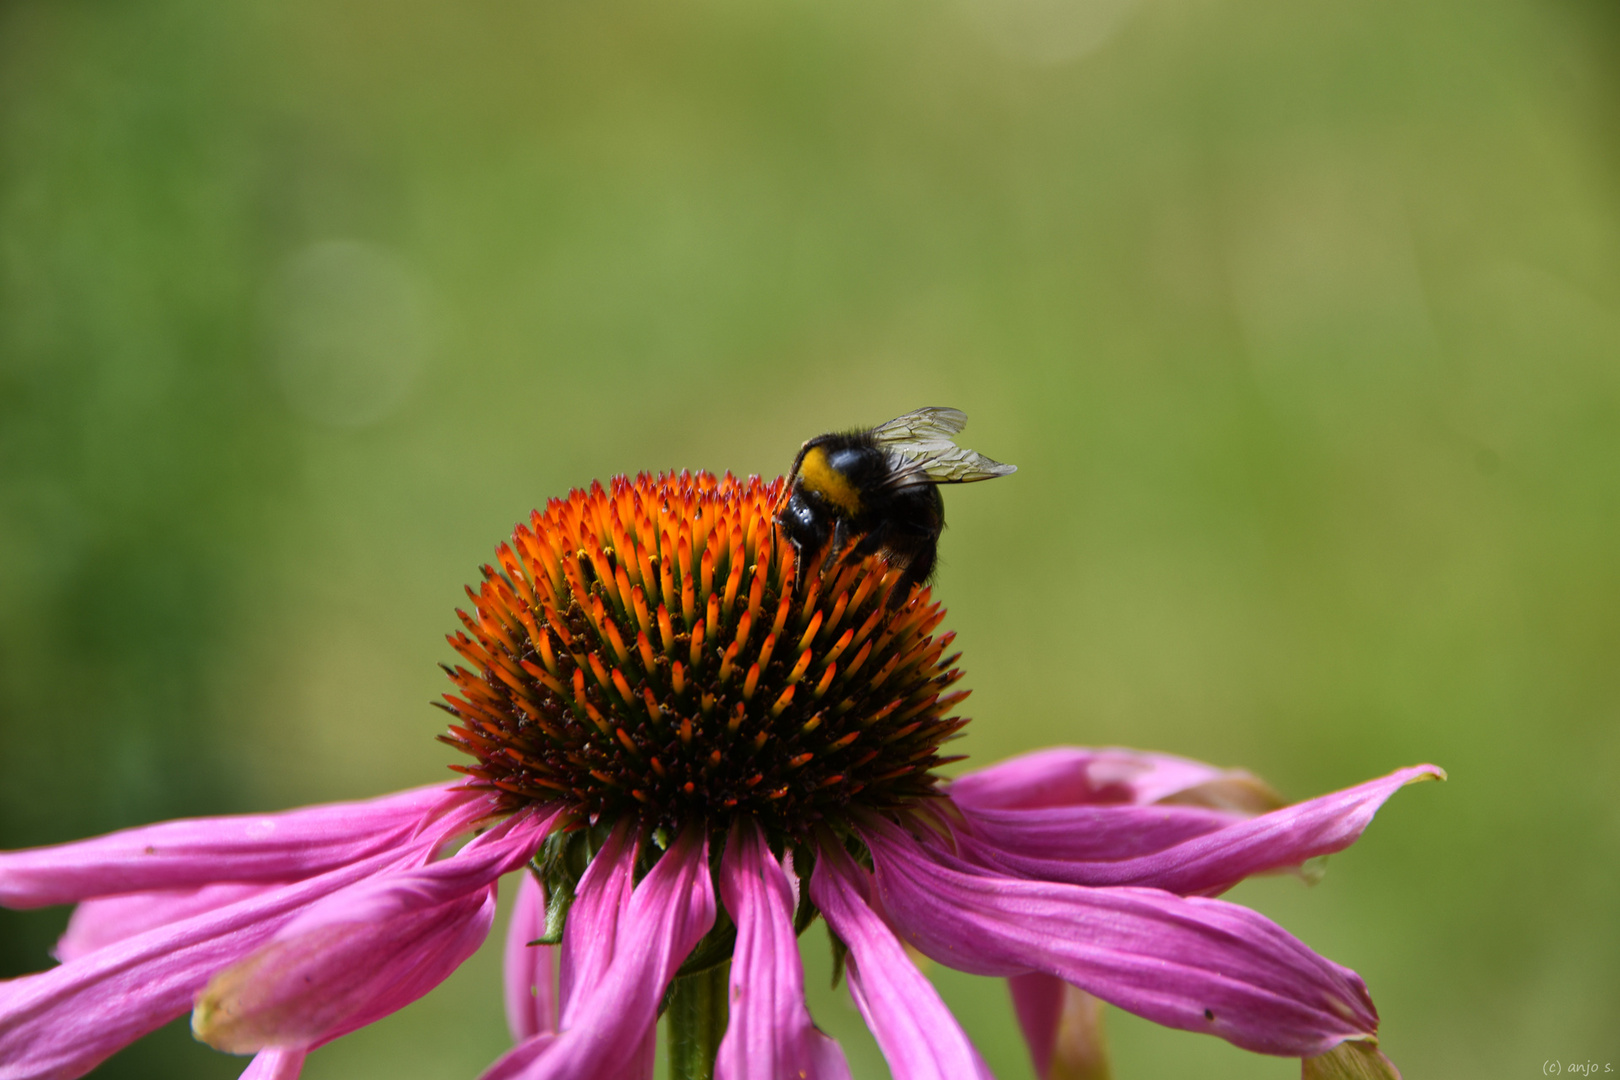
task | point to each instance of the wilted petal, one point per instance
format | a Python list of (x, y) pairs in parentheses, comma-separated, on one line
[(100, 922), (201, 851), (62, 1022), (770, 1035), (1073, 775), (1211, 862), (1350, 1061), (919, 1037), (530, 970), (1196, 964), (1062, 1025), (322, 983), (610, 1019), (275, 1065)]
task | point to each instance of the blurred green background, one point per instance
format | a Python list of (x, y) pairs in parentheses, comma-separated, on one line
[(1300, 320)]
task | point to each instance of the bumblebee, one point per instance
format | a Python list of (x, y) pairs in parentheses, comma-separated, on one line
[(882, 485)]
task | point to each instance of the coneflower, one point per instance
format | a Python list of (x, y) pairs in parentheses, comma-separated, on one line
[(697, 747)]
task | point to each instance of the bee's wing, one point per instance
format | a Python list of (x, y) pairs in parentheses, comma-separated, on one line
[(921, 446), (932, 424)]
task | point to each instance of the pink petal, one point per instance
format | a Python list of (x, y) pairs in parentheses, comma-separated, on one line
[(188, 854), (601, 898), (449, 951), (275, 1065), (1196, 964), (531, 970), (61, 1023), (1038, 1003), (501, 849), (1102, 832), (517, 1062), (641, 1068), (1207, 863), (313, 987), (1069, 775), (609, 1022), (527, 1054), (1062, 1025), (770, 1035), (919, 1037), (367, 950), (100, 922)]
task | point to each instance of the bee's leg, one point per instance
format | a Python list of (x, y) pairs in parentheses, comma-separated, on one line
[(918, 571), (798, 562), (913, 554), (873, 541), (915, 543), (900, 549), (840, 539)]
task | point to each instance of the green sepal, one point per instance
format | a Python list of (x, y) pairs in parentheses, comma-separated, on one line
[(560, 863), (715, 948), (559, 898), (840, 953), (804, 865)]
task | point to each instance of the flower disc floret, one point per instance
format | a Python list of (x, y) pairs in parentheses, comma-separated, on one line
[(654, 649)]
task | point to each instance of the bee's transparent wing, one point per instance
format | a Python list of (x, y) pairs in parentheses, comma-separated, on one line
[(933, 424), (924, 452)]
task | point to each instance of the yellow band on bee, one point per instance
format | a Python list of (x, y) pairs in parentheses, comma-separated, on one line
[(819, 476)]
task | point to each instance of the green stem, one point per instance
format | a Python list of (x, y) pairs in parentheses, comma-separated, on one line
[(697, 1022)]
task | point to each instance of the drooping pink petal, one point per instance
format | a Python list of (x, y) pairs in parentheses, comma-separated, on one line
[(1196, 964), (446, 953), (641, 1067), (502, 848), (62, 1022), (1105, 832), (275, 1065), (919, 1037), (100, 922), (1062, 1025), (367, 950), (202, 851), (592, 930), (517, 1062), (530, 970), (770, 1035), (610, 1019), (1072, 775), (310, 988), (1206, 863)]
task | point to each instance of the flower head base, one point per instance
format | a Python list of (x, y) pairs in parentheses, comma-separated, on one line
[(652, 649)]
